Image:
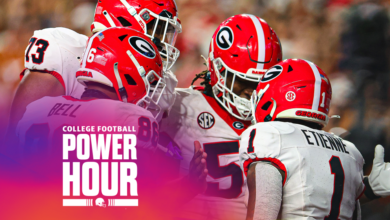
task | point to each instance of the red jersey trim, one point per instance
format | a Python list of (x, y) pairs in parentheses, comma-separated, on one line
[(54, 73), (199, 88), (229, 119), (277, 163), (22, 74)]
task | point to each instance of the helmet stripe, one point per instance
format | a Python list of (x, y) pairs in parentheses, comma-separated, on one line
[(317, 86), (260, 41)]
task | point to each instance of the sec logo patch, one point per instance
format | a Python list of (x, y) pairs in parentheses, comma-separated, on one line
[(206, 120), (290, 96)]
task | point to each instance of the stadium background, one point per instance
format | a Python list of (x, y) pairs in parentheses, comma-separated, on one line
[(348, 39)]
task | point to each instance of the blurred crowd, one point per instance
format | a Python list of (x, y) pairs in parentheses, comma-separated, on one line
[(348, 39)]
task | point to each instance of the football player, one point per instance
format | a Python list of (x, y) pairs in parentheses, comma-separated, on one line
[(54, 54), (119, 80), (242, 49), (294, 169), (125, 66)]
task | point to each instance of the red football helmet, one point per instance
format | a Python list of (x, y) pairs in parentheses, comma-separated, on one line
[(245, 46), (157, 19), (294, 89), (126, 60)]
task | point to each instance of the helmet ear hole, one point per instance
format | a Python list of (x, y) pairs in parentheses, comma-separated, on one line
[(130, 80), (124, 22), (266, 105)]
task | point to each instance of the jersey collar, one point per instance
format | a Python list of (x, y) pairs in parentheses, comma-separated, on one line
[(233, 122)]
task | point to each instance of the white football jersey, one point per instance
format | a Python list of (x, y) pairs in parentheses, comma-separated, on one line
[(324, 176), (57, 51), (47, 117), (198, 117)]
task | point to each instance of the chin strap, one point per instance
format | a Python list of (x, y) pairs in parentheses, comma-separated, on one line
[(273, 108), (109, 19), (261, 92), (141, 69), (271, 115), (255, 99), (122, 90)]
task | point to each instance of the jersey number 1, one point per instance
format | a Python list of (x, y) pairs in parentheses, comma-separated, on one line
[(42, 46), (337, 170)]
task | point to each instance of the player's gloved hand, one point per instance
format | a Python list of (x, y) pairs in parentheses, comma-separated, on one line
[(379, 178), (198, 171)]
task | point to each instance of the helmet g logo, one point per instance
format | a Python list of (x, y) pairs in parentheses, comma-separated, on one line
[(143, 47), (238, 125), (225, 38), (272, 73)]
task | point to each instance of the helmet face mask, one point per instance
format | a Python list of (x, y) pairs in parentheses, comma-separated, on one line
[(165, 30), (237, 106), (155, 88), (243, 46), (157, 21)]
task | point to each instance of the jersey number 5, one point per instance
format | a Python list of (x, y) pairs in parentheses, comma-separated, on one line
[(42, 47), (216, 171)]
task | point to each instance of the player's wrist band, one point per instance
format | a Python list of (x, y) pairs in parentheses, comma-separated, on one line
[(368, 192)]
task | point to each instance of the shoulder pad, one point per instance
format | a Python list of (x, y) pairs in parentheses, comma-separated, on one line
[(264, 138), (44, 51)]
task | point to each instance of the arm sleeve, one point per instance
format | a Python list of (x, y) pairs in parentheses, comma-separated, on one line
[(268, 192)]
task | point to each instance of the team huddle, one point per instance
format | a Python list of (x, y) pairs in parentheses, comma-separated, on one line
[(250, 138)]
